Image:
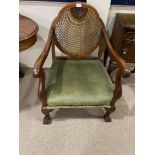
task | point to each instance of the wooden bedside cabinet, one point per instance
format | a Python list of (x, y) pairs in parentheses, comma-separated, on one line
[(123, 39)]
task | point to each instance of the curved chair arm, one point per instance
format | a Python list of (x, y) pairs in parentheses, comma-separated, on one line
[(41, 59), (125, 72)]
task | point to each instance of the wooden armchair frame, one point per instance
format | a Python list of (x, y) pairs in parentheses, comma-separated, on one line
[(38, 71)]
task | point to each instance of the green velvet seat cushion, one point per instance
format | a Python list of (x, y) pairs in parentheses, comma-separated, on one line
[(78, 83)]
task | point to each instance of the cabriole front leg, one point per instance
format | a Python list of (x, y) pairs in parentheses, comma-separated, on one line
[(107, 117), (43, 98), (116, 95)]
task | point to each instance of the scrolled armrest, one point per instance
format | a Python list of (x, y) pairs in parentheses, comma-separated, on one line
[(125, 72), (41, 59), (38, 65)]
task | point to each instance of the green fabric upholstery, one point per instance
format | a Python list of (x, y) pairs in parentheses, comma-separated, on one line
[(77, 84)]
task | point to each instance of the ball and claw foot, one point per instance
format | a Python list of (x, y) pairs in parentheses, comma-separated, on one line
[(46, 120), (107, 118)]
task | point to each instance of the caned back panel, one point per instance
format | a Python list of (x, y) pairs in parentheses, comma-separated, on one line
[(77, 30)]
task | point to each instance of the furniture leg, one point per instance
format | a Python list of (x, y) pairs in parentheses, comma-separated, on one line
[(46, 119), (43, 98), (21, 74), (117, 94), (105, 56), (107, 117), (111, 67)]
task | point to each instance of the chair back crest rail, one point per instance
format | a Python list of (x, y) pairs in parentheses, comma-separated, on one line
[(78, 31)]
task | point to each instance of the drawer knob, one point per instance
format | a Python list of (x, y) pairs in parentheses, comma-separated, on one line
[(124, 50)]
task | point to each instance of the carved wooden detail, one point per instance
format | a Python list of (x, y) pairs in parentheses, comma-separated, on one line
[(38, 71), (116, 95)]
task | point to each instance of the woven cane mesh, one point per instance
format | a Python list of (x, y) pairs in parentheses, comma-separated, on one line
[(78, 35)]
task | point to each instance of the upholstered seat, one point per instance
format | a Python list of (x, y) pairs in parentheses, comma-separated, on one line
[(74, 81), (78, 83)]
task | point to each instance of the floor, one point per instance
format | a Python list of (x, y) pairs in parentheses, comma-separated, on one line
[(75, 131)]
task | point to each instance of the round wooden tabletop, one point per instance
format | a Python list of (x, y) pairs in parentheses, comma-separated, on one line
[(27, 32)]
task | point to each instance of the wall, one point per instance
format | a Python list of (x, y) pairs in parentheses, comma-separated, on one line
[(43, 13)]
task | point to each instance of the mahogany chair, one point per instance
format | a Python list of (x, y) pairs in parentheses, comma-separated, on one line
[(78, 80)]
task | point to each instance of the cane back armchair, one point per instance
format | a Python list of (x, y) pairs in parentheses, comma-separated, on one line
[(78, 80)]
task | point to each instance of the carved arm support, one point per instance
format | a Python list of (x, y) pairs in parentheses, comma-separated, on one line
[(122, 71), (38, 71), (125, 72), (41, 59)]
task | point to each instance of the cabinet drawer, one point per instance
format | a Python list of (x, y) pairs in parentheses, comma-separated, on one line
[(123, 36)]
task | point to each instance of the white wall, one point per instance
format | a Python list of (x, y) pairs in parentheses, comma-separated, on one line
[(43, 13)]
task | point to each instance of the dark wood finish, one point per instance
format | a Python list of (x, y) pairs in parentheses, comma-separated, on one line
[(61, 20), (38, 71), (113, 54), (27, 32), (43, 98), (116, 95), (27, 43), (21, 74), (27, 35), (123, 36), (123, 39), (40, 61)]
